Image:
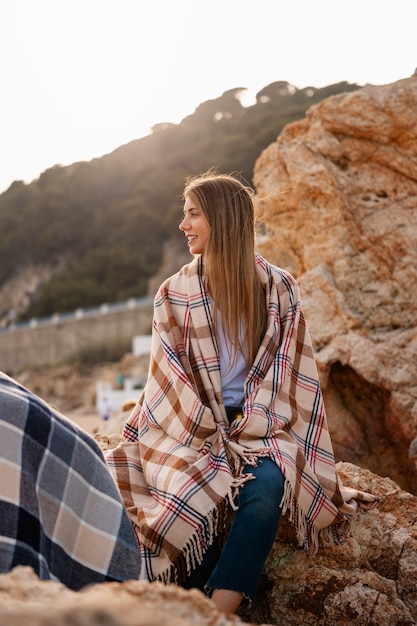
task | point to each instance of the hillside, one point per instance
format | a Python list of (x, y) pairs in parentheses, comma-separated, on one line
[(95, 231)]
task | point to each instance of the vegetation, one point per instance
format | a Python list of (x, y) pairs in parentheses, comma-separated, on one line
[(101, 224)]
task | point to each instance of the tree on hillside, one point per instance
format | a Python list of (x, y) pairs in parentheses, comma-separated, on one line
[(104, 222)]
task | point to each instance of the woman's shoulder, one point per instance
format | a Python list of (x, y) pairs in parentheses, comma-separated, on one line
[(179, 280), (275, 272)]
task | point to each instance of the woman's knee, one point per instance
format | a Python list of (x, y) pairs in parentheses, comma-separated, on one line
[(266, 489)]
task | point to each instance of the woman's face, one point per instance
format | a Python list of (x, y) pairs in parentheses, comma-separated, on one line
[(195, 227)]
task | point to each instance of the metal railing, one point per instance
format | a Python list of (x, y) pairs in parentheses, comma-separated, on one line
[(79, 314)]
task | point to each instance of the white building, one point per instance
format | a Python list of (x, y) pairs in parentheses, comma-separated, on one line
[(110, 400)]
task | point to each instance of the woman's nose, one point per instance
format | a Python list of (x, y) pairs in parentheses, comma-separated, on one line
[(183, 224)]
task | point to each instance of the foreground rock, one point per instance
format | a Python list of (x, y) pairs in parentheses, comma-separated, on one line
[(338, 194), (26, 600)]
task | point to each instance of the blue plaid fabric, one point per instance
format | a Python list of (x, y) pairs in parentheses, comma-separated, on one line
[(60, 510)]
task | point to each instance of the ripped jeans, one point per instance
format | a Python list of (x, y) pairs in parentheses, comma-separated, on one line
[(238, 565)]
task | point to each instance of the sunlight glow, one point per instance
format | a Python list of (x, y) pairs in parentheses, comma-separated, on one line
[(80, 78)]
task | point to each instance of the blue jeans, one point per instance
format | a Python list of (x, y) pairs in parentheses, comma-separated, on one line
[(238, 566)]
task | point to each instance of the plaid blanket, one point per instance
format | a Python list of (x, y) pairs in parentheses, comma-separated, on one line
[(60, 510), (180, 465)]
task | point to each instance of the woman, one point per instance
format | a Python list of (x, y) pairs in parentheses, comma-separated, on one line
[(231, 422)]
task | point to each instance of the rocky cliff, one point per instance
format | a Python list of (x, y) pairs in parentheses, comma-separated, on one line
[(338, 196)]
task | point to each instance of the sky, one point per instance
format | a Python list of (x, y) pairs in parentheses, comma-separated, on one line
[(80, 78)]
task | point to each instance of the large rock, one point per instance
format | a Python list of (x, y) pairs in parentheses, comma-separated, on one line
[(371, 579), (26, 600), (338, 197)]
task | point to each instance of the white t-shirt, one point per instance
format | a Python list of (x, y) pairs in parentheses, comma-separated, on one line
[(233, 375)]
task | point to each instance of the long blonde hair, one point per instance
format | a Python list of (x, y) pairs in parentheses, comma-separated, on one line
[(229, 262)]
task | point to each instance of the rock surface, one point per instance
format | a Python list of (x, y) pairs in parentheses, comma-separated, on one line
[(26, 600), (371, 579), (21, 289), (338, 197)]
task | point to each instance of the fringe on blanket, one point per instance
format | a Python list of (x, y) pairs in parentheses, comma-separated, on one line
[(308, 535), (191, 555), (217, 523), (193, 552)]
